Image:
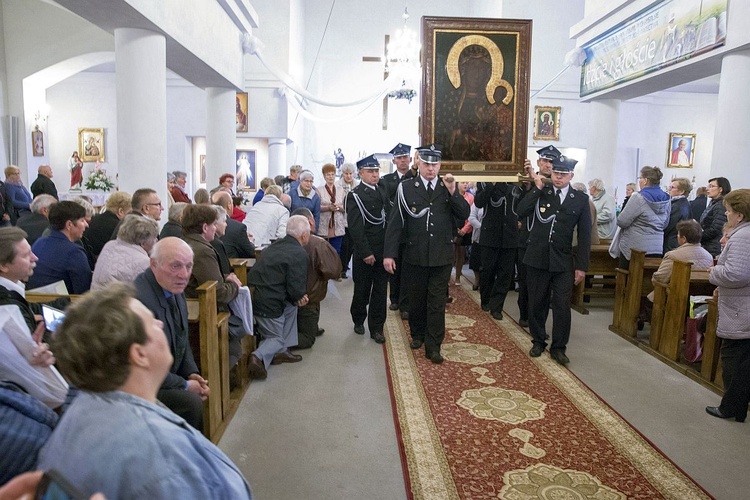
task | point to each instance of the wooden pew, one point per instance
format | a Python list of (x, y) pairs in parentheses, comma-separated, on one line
[(240, 267), (631, 285), (601, 263), (711, 364), (669, 311)]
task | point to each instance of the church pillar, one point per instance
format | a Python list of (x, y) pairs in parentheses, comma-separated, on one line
[(277, 158), (221, 134), (602, 153), (141, 89), (732, 129)]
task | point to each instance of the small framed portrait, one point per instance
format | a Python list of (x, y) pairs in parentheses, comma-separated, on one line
[(202, 175), (37, 141), (681, 149), (547, 123), (91, 144), (245, 174), (241, 112)]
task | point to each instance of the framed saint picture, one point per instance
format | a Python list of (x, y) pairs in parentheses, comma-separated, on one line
[(37, 141), (91, 144), (244, 179), (475, 93), (681, 150), (241, 112), (547, 123)]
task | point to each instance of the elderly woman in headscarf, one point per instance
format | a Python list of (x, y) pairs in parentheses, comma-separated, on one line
[(305, 196)]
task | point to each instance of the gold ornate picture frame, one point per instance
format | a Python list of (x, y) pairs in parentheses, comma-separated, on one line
[(547, 123), (91, 144), (680, 150), (37, 141), (241, 112), (475, 93)]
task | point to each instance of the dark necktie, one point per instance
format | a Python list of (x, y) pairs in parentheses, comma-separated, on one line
[(429, 190), (176, 316)]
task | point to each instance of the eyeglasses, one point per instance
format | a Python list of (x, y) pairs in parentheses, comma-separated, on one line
[(153, 204)]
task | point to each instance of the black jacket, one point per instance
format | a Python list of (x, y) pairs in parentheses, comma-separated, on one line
[(550, 241), (679, 211), (368, 238), (712, 221), (151, 294), (391, 181), (697, 206), (171, 229), (43, 185), (429, 238), (279, 277), (236, 242), (33, 224), (100, 231), (499, 222)]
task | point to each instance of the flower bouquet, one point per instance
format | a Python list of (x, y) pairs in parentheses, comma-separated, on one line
[(98, 180)]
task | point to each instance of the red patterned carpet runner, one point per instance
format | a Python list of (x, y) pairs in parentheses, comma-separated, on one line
[(491, 422)]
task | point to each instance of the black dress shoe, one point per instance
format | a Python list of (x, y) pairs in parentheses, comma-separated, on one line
[(343, 275), (475, 288), (416, 343), (715, 411), (256, 368), (449, 300), (536, 351), (523, 323), (435, 357), (320, 332), (393, 306), (285, 357), (359, 329), (498, 315), (559, 356), (378, 337), (485, 307), (405, 315)]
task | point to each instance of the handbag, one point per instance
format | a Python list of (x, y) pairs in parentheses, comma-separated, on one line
[(614, 246)]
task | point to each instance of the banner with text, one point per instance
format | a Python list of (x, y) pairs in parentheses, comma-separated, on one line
[(669, 32)]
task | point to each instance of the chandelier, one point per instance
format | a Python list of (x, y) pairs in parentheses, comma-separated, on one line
[(402, 60)]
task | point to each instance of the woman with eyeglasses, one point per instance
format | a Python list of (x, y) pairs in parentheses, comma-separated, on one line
[(679, 189), (713, 217), (732, 275), (304, 195), (643, 221)]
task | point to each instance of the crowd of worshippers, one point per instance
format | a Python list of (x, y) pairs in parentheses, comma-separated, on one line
[(126, 351)]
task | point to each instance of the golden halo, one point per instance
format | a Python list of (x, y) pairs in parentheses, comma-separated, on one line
[(498, 64)]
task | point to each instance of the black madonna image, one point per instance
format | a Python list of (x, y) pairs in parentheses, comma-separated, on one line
[(476, 95)]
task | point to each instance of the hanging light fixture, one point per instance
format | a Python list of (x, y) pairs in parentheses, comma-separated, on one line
[(402, 60)]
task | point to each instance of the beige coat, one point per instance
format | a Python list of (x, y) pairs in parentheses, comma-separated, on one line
[(326, 212)]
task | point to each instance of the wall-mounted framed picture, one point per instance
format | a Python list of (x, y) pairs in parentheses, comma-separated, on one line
[(203, 169), (241, 112), (245, 174), (91, 144), (680, 150), (547, 123), (37, 141)]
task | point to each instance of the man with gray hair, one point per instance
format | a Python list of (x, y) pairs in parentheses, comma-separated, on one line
[(280, 281), (36, 221), (43, 183), (178, 192), (173, 227), (235, 238), (606, 209), (266, 220), (161, 288)]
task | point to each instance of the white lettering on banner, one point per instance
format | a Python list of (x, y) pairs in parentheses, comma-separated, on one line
[(655, 39)]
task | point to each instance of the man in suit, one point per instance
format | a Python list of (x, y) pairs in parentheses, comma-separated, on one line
[(367, 206), (498, 241), (557, 211), (544, 162), (425, 215), (235, 239), (43, 183), (401, 158), (161, 288), (36, 221)]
